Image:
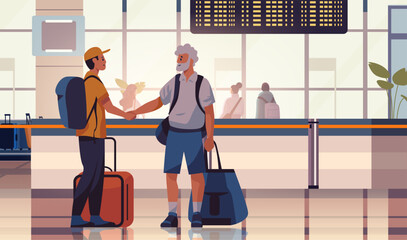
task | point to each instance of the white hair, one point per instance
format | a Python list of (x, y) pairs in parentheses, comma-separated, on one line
[(188, 49)]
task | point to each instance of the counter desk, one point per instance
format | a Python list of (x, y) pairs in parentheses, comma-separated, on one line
[(266, 154)]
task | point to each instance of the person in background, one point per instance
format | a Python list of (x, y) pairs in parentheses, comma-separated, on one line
[(264, 97), (233, 107), (129, 101)]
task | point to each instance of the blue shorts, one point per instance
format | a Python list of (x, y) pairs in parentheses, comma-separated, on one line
[(189, 143)]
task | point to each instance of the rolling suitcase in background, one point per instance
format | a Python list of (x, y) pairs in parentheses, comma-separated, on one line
[(271, 111), (21, 139), (7, 135), (118, 196)]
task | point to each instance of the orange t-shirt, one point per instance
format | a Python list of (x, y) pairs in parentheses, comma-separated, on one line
[(94, 90)]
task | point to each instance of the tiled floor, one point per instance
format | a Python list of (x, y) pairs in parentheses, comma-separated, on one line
[(273, 214)]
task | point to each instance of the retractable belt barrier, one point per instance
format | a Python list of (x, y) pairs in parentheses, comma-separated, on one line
[(156, 125), (221, 126)]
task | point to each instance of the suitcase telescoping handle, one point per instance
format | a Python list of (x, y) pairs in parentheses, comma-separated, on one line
[(5, 118), (27, 119), (217, 153), (114, 153)]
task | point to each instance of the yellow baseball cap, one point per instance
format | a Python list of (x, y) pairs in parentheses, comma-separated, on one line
[(93, 52)]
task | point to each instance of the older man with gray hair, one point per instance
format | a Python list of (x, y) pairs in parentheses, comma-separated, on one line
[(191, 118)]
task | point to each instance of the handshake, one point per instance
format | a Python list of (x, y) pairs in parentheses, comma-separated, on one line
[(130, 115)]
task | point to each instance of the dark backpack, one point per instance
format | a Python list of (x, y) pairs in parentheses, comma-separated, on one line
[(72, 102), (162, 131)]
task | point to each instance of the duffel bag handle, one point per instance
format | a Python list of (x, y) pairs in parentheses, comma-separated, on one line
[(114, 151), (217, 153)]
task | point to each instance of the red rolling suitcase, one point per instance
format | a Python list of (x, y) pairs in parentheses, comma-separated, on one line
[(118, 196)]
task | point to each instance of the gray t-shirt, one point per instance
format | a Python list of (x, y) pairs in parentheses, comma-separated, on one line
[(186, 113), (268, 96)]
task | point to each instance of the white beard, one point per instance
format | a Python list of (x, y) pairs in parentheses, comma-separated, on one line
[(183, 66)]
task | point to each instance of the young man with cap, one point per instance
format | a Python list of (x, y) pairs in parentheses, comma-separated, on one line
[(189, 119), (92, 143)]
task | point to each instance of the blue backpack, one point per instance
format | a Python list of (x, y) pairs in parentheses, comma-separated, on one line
[(72, 102)]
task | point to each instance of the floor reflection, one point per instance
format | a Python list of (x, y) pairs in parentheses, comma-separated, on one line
[(216, 234), (322, 214)]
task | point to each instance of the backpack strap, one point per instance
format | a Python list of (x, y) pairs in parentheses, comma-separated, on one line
[(93, 77), (264, 100), (96, 116), (176, 92), (93, 110), (234, 108), (93, 107), (197, 89)]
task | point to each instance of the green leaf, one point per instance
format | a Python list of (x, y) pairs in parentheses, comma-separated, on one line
[(385, 85), (405, 98), (379, 70), (121, 83), (400, 77)]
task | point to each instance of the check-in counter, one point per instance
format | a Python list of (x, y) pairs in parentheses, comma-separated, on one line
[(363, 154), (266, 154)]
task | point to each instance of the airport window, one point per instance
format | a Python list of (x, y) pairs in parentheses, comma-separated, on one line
[(23, 103), (102, 14), (321, 104), (151, 58), (185, 14), (349, 104), (7, 105), (378, 13), (377, 107), (147, 14), (347, 50), (17, 15), (277, 59), (17, 67), (377, 48), (355, 14)]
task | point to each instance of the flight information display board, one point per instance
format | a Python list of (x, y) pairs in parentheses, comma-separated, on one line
[(269, 16)]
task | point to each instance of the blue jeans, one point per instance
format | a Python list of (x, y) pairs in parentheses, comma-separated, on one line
[(189, 143)]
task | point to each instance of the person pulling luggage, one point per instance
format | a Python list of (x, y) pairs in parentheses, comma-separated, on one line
[(191, 117), (92, 143)]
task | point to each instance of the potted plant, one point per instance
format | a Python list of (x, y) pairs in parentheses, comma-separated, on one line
[(399, 78)]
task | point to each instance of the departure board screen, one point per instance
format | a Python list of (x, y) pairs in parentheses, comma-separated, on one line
[(269, 16)]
